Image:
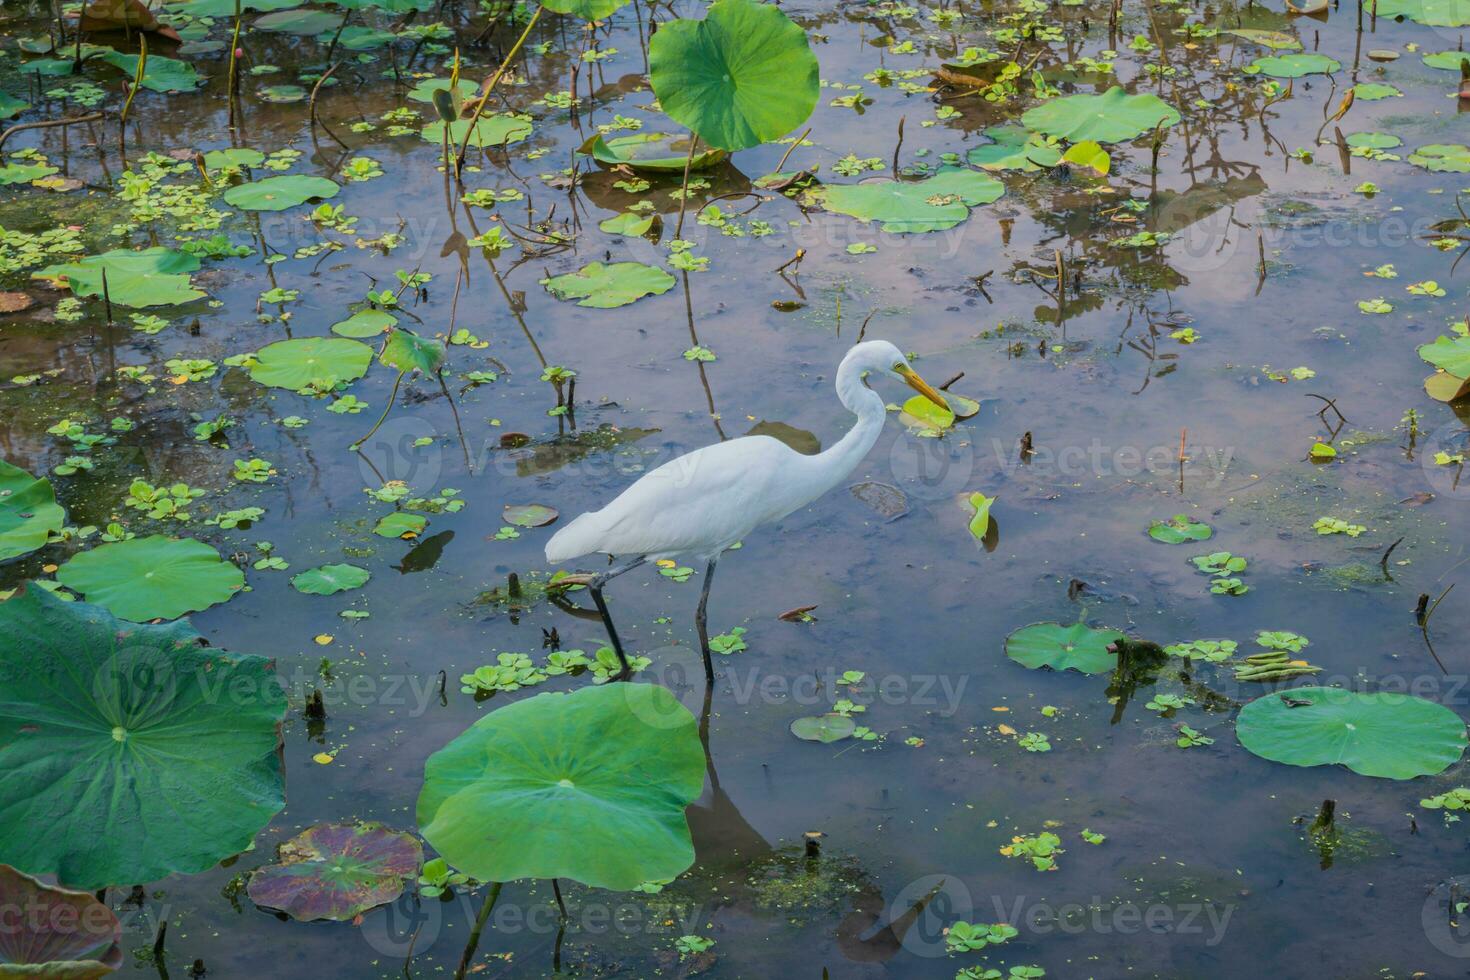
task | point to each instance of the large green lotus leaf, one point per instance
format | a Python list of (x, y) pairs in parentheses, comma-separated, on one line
[(280, 192), (365, 323), (1075, 647), (29, 513), (155, 577), (1295, 65), (1396, 736), (494, 129), (743, 76), (585, 9), (295, 364), (160, 74), (424, 90), (298, 22), (1449, 354), (590, 786), (1434, 13), (1015, 148), (1113, 117), (337, 871), (407, 351), (151, 277), (128, 753), (664, 152), (1448, 158), (330, 579), (608, 286), (60, 935), (933, 204), (226, 8), (11, 106)]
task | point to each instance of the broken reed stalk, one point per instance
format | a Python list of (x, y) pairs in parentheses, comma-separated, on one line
[(47, 124), (490, 87)]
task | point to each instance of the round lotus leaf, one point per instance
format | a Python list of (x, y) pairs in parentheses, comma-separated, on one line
[(401, 524), (55, 933), (493, 129), (824, 728), (424, 90), (298, 22), (148, 277), (1376, 141), (365, 323), (607, 286), (743, 76), (1449, 354), (407, 351), (226, 8), (1395, 736), (1274, 40), (29, 513), (1295, 65), (1451, 158), (1434, 13), (128, 752), (337, 871), (155, 577), (658, 152), (330, 579), (529, 515), (585, 9), (1179, 529), (295, 364), (590, 786), (933, 204), (1076, 647), (1113, 117), (280, 192)]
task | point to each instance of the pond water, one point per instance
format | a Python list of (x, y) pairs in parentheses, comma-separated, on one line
[(1240, 332)]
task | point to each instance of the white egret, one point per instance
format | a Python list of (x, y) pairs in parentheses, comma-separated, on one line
[(703, 502)]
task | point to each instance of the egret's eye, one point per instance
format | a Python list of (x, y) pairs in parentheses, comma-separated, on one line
[(898, 368)]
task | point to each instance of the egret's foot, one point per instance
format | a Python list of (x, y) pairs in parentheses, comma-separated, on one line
[(580, 578)]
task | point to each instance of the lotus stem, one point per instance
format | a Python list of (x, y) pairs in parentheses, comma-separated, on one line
[(684, 188), (799, 140), (392, 397), (490, 87), (480, 920), (137, 77)]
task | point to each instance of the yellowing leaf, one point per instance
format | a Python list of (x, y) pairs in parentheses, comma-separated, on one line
[(322, 639), (324, 758)]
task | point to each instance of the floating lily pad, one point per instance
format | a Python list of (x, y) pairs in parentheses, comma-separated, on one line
[(282, 95), (934, 204), (1179, 529), (55, 933), (29, 513), (1452, 158), (233, 157), (494, 129), (1076, 647), (424, 90), (330, 579), (140, 751), (1434, 13), (1015, 148), (612, 818), (156, 577), (226, 8), (280, 192), (295, 364), (1113, 117), (303, 22), (1449, 354), (1275, 40), (824, 728), (24, 173), (921, 413), (400, 524), (529, 515), (149, 277), (337, 871), (607, 286), (1295, 65), (1376, 141), (1374, 91), (585, 9), (1394, 736), (743, 76), (650, 151), (365, 323), (11, 106), (406, 351), (160, 74)]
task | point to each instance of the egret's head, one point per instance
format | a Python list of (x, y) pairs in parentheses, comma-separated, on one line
[(880, 355)]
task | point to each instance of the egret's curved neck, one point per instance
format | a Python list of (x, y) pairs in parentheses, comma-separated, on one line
[(843, 457)]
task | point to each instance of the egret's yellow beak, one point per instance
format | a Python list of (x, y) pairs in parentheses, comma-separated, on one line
[(920, 385)]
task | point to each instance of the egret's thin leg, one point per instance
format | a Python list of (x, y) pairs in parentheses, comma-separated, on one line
[(701, 622), (595, 587)]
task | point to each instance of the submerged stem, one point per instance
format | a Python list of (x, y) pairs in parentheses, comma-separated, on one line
[(480, 920)]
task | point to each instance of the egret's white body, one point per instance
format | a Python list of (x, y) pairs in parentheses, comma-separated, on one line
[(703, 502)]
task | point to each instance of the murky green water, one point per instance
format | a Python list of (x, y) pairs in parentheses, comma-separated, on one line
[(1205, 871)]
